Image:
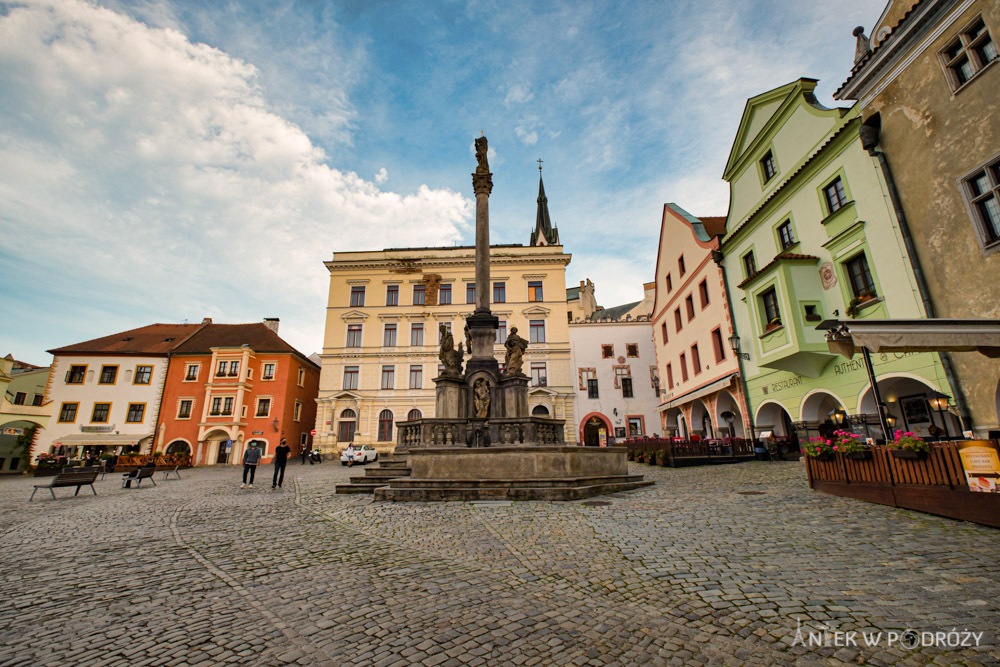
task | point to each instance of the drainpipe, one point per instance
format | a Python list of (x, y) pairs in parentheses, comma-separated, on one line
[(717, 257), (870, 141)]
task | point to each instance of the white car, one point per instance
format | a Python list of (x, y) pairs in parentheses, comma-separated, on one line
[(360, 454)]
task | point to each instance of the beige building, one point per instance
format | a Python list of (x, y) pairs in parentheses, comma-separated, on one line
[(927, 84), (385, 311)]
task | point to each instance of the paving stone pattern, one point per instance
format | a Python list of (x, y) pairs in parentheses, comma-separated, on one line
[(691, 571)]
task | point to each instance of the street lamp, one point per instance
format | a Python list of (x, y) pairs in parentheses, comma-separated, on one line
[(939, 402), (838, 415), (734, 344)]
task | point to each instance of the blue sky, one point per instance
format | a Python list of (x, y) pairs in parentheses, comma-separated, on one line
[(163, 161)]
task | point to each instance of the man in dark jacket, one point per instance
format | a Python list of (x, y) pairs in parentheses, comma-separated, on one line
[(251, 457), (280, 459)]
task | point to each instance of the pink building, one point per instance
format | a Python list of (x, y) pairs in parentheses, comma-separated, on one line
[(701, 391)]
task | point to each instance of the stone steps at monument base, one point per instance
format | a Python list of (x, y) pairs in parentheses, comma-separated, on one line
[(364, 487), (381, 481), (553, 482), (446, 490), (387, 472)]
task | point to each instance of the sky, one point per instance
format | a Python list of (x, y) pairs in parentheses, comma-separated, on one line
[(166, 161)]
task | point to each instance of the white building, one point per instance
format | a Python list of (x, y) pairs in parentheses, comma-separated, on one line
[(105, 393), (617, 384)]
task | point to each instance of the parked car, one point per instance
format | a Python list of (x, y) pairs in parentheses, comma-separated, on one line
[(359, 454)]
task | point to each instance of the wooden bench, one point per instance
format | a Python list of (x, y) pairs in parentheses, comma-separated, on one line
[(167, 473), (75, 478), (137, 475)]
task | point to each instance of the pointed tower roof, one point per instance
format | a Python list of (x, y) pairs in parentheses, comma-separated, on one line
[(544, 233)]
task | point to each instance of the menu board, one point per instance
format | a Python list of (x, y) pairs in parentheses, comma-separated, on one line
[(981, 461)]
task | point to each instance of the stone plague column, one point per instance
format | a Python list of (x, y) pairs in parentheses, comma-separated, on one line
[(482, 323)]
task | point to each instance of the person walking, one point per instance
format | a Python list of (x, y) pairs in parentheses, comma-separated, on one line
[(251, 457), (304, 453), (280, 459)]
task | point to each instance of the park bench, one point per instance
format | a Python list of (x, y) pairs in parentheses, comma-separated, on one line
[(75, 478), (175, 472), (137, 475)]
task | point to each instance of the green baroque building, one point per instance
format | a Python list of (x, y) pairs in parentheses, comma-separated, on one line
[(811, 234)]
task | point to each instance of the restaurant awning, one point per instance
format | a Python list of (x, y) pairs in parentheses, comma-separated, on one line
[(100, 439), (927, 335), (699, 392)]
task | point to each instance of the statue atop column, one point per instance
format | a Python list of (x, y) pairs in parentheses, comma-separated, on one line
[(482, 149), (514, 357)]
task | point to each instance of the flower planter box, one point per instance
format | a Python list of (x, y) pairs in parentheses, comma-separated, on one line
[(859, 456), (907, 454), (825, 456)]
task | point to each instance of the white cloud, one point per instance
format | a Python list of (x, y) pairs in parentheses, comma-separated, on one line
[(528, 136), (381, 176), (518, 94), (152, 171)]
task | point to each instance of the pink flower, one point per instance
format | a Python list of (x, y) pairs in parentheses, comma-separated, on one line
[(910, 433), (835, 448)]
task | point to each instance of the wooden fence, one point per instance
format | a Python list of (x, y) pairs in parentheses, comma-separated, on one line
[(690, 453), (935, 484)]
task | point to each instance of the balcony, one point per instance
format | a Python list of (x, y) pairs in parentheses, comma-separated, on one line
[(791, 343)]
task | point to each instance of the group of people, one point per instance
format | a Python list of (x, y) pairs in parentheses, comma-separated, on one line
[(253, 455)]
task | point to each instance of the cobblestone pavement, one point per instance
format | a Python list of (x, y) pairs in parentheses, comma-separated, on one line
[(712, 565)]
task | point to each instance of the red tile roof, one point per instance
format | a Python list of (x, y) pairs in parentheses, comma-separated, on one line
[(154, 339), (779, 258), (714, 224), (257, 336)]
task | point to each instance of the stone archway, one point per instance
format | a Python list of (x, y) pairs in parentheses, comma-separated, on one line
[(729, 415), (180, 447), (906, 398), (591, 427)]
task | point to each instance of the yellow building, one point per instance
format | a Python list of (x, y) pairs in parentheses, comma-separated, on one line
[(385, 310)]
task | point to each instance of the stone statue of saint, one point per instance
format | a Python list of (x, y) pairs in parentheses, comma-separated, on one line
[(450, 358), (468, 338), (515, 353), (481, 150), (481, 395)]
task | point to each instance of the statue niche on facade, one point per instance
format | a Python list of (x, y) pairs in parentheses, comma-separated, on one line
[(481, 396), (514, 357), (450, 358)]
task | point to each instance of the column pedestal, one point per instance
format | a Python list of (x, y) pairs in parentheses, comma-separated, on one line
[(451, 398), (514, 390)]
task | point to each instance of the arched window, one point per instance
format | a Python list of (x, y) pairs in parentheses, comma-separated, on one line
[(540, 410), (347, 426), (178, 447), (414, 413), (385, 425)]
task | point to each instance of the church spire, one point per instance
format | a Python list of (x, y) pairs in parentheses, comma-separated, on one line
[(544, 233)]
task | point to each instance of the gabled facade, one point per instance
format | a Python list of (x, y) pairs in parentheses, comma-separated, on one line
[(384, 314), (616, 380), (927, 84), (104, 394), (811, 234), (232, 384), (701, 392)]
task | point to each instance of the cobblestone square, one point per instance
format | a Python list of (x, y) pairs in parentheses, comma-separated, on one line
[(712, 565)]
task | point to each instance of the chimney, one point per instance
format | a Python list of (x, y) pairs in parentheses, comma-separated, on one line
[(272, 323), (207, 320)]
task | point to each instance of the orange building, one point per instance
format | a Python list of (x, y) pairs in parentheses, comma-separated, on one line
[(230, 384), (700, 389)]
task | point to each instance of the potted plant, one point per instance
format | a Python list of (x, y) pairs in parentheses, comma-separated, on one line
[(852, 446), (630, 455), (775, 323), (908, 446), (854, 307), (820, 448), (661, 457)]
